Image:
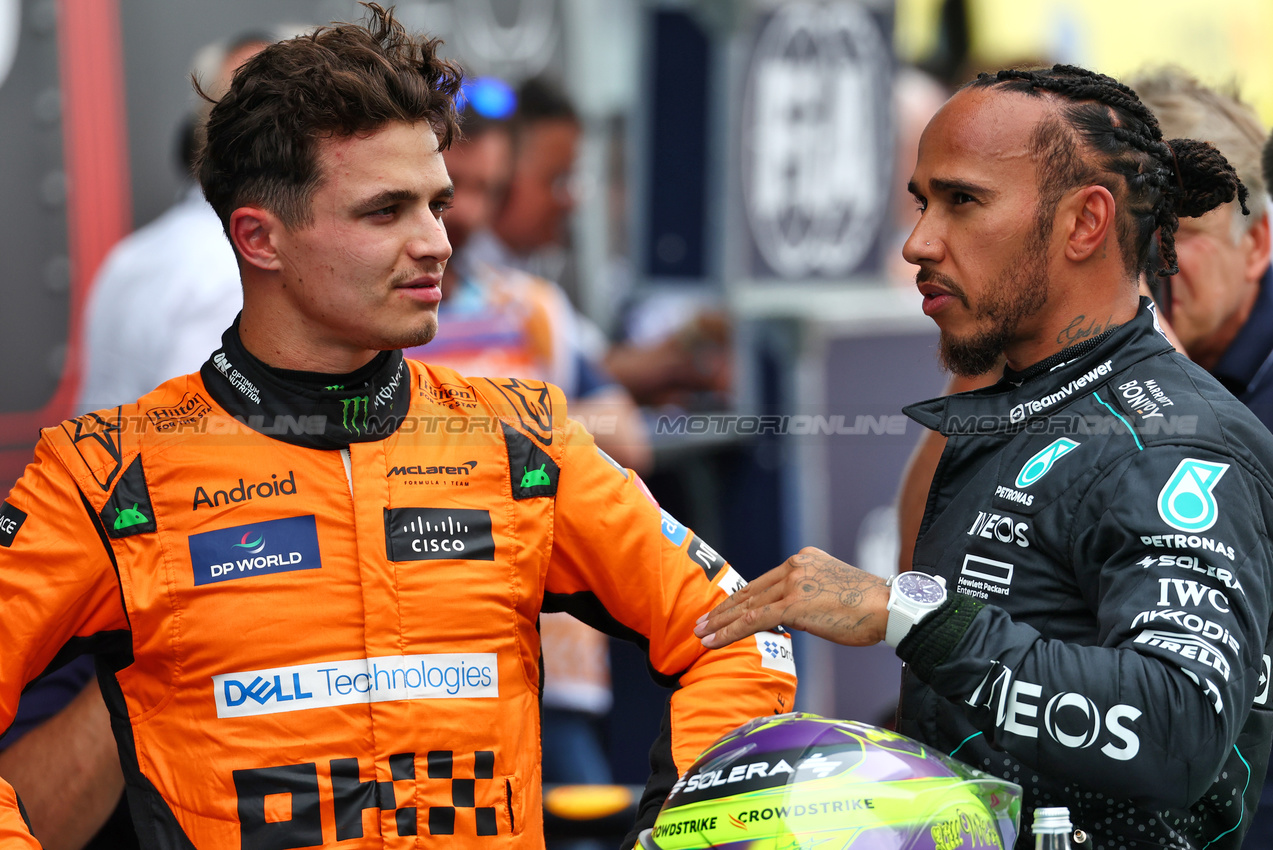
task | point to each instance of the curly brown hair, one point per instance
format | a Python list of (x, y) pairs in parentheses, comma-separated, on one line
[(262, 137)]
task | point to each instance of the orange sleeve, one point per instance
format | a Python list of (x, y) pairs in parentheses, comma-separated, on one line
[(57, 583), (626, 567)]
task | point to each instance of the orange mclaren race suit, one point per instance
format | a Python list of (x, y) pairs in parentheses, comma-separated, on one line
[(314, 607)]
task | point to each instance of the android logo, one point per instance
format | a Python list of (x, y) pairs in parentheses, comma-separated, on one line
[(535, 477), (129, 517)]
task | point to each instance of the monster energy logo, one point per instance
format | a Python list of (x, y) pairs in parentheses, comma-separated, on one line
[(352, 409)]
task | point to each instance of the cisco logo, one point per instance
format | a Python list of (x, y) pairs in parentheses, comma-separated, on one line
[(431, 534)]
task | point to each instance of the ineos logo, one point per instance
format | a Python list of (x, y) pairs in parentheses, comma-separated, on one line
[(1091, 720), (816, 159)]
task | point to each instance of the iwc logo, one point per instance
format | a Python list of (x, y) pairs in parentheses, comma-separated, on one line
[(1185, 501)]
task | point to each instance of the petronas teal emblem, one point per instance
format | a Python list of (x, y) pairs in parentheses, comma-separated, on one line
[(1039, 465), (1185, 501)]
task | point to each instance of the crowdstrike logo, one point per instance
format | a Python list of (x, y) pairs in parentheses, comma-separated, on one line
[(360, 680)]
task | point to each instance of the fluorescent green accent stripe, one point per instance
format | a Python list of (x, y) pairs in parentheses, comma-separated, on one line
[(1139, 445), (1241, 798), (961, 743)]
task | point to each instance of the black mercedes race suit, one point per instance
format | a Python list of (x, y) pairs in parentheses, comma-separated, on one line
[(1102, 524)]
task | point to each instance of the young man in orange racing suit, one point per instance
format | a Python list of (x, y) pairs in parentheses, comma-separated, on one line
[(311, 572)]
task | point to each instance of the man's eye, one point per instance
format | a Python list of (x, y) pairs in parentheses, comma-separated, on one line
[(920, 204), (960, 198), (383, 212), (440, 207)]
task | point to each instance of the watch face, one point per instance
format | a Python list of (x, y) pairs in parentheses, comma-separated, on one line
[(920, 588)]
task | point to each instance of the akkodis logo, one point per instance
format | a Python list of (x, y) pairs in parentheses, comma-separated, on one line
[(1185, 501), (274, 546), (1039, 465)]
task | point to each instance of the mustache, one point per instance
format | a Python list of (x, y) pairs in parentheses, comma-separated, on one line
[(927, 275)]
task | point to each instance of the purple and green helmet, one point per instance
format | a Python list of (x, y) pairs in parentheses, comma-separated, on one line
[(798, 781)]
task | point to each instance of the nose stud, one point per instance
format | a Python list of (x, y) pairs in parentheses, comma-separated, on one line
[(926, 244)]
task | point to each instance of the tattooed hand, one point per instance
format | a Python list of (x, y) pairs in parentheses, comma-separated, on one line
[(810, 591)]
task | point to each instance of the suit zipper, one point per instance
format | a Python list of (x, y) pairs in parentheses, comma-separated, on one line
[(349, 469)]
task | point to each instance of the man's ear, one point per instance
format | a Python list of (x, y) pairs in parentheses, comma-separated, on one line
[(1256, 242), (253, 230), (1086, 218)]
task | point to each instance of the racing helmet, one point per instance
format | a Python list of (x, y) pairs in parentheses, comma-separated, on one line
[(802, 781)]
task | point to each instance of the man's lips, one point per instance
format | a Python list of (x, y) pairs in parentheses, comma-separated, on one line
[(939, 291), (427, 288)]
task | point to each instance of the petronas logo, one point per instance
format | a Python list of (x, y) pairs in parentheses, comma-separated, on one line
[(1185, 502), (354, 412), (1039, 465)]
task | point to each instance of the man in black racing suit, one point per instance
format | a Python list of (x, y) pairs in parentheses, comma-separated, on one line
[(1099, 517)]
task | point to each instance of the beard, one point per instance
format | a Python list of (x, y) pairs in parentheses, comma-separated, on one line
[(1018, 293)]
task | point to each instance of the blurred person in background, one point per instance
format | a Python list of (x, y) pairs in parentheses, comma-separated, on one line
[(672, 348), (166, 292), (1221, 301), (158, 305), (1057, 631)]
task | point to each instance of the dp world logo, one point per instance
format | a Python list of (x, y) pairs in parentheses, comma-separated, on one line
[(1039, 465), (252, 547), (1185, 501)]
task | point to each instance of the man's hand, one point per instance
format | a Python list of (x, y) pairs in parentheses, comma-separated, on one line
[(810, 591)]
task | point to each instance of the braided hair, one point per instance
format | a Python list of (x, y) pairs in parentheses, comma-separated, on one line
[(1106, 136)]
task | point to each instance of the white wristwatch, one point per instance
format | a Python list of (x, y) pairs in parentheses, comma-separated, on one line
[(912, 597)]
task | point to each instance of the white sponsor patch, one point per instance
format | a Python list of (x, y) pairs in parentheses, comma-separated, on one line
[(731, 581), (329, 683), (775, 652)]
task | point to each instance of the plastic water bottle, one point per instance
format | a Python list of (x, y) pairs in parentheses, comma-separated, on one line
[(1052, 829)]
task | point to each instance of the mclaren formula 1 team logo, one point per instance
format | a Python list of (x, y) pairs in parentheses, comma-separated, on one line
[(1186, 502)]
